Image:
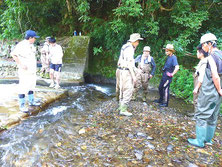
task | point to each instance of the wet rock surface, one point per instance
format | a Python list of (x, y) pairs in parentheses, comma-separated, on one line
[(86, 129), (9, 109)]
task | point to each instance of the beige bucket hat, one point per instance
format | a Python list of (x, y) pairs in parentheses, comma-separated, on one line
[(134, 37), (169, 47)]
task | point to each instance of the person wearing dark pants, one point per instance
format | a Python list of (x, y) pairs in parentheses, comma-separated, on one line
[(164, 87), (169, 70)]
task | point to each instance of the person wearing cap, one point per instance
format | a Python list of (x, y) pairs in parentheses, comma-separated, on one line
[(24, 55), (170, 68), (56, 54), (45, 59), (210, 94), (125, 74), (199, 73), (146, 70)]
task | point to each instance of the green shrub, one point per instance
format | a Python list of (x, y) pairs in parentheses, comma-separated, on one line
[(182, 84)]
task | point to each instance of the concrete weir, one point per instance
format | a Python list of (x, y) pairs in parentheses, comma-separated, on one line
[(75, 62)]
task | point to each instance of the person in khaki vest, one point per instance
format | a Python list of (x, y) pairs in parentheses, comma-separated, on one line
[(44, 73), (146, 70), (125, 74)]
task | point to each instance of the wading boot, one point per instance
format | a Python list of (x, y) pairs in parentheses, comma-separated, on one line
[(123, 111), (22, 107), (32, 101), (200, 136), (144, 97), (134, 97), (210, 134), (42, 74), (47, 75)]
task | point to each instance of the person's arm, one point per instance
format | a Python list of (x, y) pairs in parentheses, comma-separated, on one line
[(176, 69), (196, 89), (138, 59), (153, 67), (215, 76), (61, 52), (17, 60)]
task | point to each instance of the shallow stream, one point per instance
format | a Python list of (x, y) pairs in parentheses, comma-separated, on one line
[(68, 134)]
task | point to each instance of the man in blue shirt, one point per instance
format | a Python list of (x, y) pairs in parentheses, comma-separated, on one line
[(169, 70)]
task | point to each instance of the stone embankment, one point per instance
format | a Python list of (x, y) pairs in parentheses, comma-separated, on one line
[(9, 109)]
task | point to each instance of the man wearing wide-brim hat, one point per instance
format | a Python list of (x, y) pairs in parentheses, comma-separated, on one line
[(125, 73), (170, 68)]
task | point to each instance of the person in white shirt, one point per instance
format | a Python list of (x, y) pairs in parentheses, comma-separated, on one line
[(56, 55), (24, 55)]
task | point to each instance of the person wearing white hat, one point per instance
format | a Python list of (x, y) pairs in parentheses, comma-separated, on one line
[(24, 55), (210, 93), (146, 70), (125, 73), (170, 68), (45, 59)]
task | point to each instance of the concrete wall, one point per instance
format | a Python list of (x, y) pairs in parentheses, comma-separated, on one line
[(75, 60)]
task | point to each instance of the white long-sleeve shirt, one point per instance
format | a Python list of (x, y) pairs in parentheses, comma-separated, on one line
[(26, 55)]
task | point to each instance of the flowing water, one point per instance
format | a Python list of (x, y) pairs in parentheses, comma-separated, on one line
[(63, 134), (52, 136)]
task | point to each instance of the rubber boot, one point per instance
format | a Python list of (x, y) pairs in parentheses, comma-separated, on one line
[(123, 110), (144, 97), (31, 100), (134, 96), (47, 75), (200, 136), (42, 74), (22, 106), (210, 134)]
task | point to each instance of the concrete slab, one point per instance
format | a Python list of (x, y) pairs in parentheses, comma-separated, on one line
[(9, 109)]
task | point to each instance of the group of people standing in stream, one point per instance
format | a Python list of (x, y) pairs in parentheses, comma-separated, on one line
[(129, 78), (24, 55), (207, 84)]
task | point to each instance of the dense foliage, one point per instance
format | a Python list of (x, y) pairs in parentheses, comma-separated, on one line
[(110, 22)]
